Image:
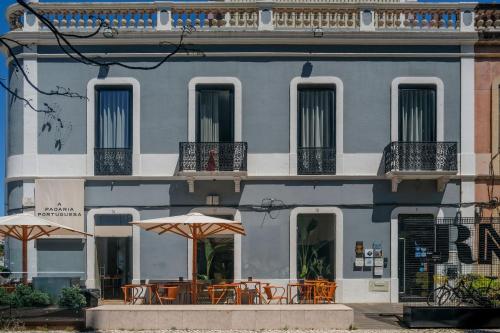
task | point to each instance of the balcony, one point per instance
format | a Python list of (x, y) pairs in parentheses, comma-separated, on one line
[(112, 161), (288, 15), (420, 160), (213, 160), (316, 161)]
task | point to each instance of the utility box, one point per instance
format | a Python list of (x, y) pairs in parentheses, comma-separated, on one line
[(379, 286)]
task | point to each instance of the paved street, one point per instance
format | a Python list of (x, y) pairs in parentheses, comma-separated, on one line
[(377, 316), (298, 331)]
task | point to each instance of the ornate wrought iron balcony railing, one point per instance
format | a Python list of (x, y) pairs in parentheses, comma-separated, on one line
[(213, 156), (112, 161), (421, 156), (316, 161)]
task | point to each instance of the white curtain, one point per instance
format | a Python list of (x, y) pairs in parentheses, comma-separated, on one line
[(417, 114), (215, 115), (114, 119), (316, 118)]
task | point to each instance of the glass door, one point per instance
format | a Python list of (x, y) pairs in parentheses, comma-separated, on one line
[(415, 245)]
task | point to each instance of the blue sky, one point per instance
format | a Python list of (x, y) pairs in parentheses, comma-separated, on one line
[(3, 74)]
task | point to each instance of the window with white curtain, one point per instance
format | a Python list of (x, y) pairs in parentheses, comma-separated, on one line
[(417, 113), (113, 117), (214, 113), (316, 117)]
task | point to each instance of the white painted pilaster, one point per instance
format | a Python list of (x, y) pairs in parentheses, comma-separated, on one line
[(30, 134), (467, 161), (468, 196), (164, 21), (31, 22), (367, 20)]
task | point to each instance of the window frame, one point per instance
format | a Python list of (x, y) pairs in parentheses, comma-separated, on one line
[(136, 119), (99, 88), (338, 85), (221, 87), (215, 81), (332, 125), (416, 87), (414, 81)]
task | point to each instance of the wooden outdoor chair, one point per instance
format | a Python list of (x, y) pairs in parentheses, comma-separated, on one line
[(133, 294), (250, 293), (274, 293), (325, 293), (167, 294)]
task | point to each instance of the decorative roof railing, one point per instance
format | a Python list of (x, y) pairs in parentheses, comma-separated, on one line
[(247, 15)]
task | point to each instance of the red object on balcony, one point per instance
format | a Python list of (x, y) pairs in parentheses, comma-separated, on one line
[(211, 161)]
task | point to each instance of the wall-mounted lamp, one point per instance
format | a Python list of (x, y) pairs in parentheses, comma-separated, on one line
[(212, 200), (318, 32), (109, 32)]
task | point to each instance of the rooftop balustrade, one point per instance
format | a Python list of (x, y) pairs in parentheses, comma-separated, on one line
[(245, 15)]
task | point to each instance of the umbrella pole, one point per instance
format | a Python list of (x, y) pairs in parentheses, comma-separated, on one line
[(195, 273), (25, 255)]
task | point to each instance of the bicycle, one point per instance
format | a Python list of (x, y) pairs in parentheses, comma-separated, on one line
[(463, 292)]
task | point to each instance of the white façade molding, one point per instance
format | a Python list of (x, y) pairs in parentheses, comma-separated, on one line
[(435, 211), (339, 243), (339, 116), (215, 80), (467, 109), (91, 249), (439, 101), (136, 119), (30, 132), (213, 211)]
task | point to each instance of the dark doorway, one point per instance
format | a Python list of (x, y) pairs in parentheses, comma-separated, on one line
[(415, 243), (114, 263), (216, 257)]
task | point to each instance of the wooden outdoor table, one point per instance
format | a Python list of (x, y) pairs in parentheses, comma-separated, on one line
[(150, 289), (258, 287), (306, 289), (225, 288), (184, 290)]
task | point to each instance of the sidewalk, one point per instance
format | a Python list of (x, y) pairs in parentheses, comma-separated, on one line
[(377, 315)]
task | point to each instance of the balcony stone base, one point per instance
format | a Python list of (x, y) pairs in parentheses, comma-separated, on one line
[(220, 317)]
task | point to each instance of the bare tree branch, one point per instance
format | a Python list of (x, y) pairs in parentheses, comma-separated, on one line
[(53, 122)]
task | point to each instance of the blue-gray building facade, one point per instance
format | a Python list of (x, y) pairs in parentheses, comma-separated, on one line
[(364, 195)]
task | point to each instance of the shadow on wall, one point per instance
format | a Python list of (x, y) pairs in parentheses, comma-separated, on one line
[(180, 195), (307, 69), (410, 193)]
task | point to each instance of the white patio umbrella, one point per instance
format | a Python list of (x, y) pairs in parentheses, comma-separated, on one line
[(195, 226), (26, 227)]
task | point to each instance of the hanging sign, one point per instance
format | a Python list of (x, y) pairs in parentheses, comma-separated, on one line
[(60, 201)]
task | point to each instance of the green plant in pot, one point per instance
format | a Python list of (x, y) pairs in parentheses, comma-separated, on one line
[(311, 264), (72, 298)]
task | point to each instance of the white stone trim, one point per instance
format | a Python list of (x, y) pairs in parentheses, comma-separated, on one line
[(32, 253), (436, 211), (215, 80), (468, 194), (30, 117), (467, 109), (439, 102), (136, 242), (136, 119), (237, 238), (339, 116), (339, 243)]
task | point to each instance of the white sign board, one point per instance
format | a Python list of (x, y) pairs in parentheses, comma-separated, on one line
[(60, 201)]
